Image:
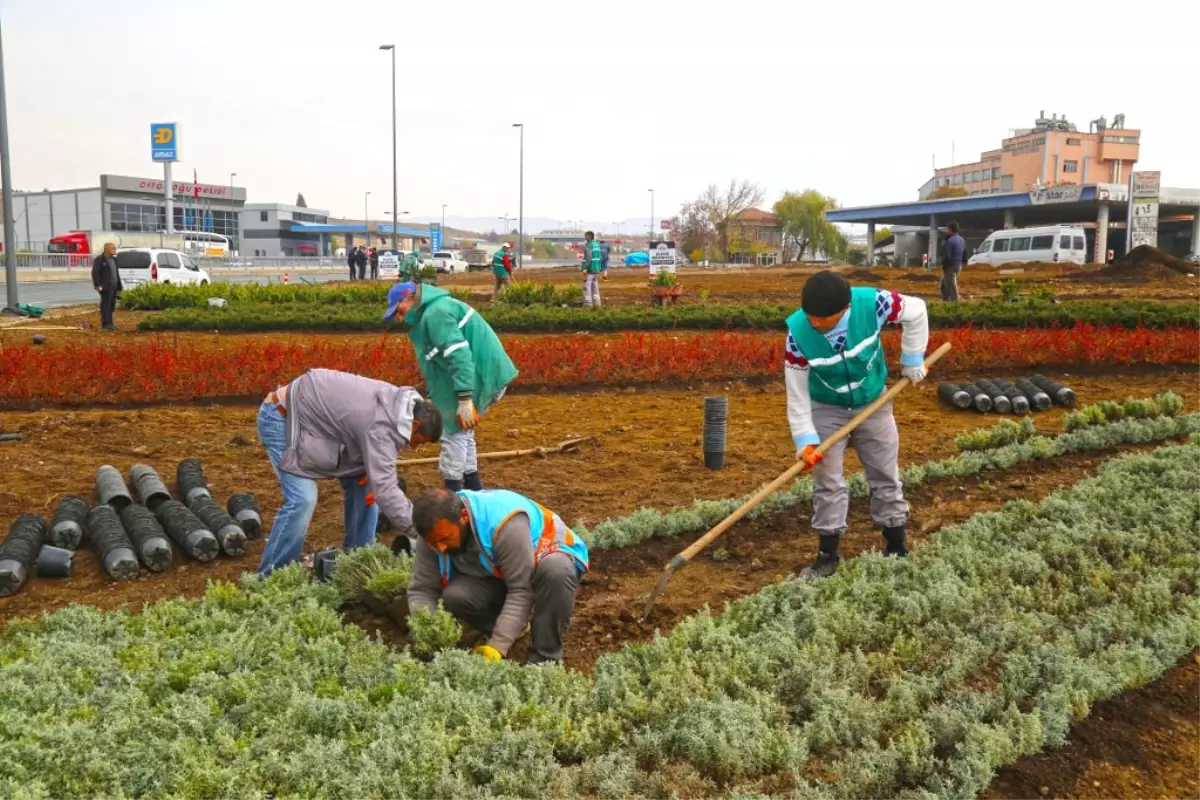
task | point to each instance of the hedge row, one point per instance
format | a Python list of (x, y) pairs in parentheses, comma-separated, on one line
[(700, 316), (896, 678)]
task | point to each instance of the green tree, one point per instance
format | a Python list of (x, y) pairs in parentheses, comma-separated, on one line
[(942, 192), (856, 255), (300, 203), (801, 218), (882, 233)]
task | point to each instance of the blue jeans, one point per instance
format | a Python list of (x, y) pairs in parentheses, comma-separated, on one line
[(290, 527)]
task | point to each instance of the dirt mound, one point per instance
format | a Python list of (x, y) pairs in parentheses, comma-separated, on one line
[(921, 276), (1145, 264), (863, 275)]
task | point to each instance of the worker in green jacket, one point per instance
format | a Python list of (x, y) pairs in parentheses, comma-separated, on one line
[(592, 265), (502, 268), (465, 367), (409, 269)]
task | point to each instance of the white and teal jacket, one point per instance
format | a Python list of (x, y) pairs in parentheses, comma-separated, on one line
[(845, 342)]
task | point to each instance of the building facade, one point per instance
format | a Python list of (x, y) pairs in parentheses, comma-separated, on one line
[(123, 203), (755, 238), (1051, 153), (268, 231)]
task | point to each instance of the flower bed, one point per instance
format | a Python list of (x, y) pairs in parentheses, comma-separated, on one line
[(162, 368), (890, 679), (309, 308)]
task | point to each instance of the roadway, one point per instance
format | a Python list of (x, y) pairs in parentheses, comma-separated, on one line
[(50, 294)]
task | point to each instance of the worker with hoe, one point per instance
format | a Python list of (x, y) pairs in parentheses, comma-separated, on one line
[(591, 265), (833, 366), (465, 367), (335, 425), (502, 268), (495, 559)]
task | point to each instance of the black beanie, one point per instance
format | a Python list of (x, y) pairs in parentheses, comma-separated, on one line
[(825, 294)]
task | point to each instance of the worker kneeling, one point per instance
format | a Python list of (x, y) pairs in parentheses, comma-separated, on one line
[(833, 366), (494, 558)]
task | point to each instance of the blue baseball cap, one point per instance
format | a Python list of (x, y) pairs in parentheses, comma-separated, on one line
[(397, 295)]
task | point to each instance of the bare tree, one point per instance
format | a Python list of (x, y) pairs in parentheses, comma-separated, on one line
[(723, 206), (692, 229)]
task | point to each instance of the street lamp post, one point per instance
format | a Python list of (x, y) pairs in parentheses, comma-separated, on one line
[(443, 224), (651, 236), (233, 212), (366, 220), (521, 202), (10, 230), (395, 196)]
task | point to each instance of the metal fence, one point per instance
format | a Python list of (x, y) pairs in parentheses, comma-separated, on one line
[(73, 262)]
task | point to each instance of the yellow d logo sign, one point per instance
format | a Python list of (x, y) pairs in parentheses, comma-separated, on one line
[(163, 136)]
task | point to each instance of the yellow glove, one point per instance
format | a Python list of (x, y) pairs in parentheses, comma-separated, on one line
[(467, 416), (488, 652)]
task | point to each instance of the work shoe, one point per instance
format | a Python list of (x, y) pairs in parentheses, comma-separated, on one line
[(825, 565), (895, 542), (454, 486)]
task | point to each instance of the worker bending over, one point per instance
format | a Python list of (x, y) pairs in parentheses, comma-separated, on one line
[(833, 366), (465, 367), (502, 267), (326, 425), (495, 559)]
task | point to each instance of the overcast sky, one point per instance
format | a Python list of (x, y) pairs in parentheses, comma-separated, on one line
[(617, 97)]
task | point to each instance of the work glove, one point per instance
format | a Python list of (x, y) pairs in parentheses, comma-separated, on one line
[(809, 455), (914, 374), (489, 653), (467, 416)]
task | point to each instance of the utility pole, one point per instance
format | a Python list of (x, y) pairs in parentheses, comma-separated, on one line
[(521, 202), (10, 231), (233, 215), (395, 196), (651, 235), (367, 219)]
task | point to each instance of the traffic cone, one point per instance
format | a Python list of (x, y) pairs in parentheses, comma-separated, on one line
[(285, 279)]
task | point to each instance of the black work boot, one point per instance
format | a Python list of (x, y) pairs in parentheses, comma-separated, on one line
[(827, 560), (402, 544), (895, 542), (473, 482), (454, 486)]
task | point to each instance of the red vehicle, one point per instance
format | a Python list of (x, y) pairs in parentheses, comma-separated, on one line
[(306, 250), (84, 245)]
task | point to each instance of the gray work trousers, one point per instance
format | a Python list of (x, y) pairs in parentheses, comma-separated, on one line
[(877, 443), (478, 601), (502, 281), (591, 290), (949, 284)]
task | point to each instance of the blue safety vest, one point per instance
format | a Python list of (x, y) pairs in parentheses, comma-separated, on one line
[(491, 509)]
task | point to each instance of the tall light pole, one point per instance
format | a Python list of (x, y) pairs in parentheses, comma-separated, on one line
[(233, 211), (367, 220), (443, 226), (651, 236), (521, 202), (395, 196), (10, 230)]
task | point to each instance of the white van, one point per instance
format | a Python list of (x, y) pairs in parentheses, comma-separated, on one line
[(139, 265), (1063, 243)]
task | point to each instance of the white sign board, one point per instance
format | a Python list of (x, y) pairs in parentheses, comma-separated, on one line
[(389, 264), (1055, 194), (1143, 209), (662, 257)]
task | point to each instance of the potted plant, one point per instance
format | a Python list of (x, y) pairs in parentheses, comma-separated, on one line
[(664, 285)]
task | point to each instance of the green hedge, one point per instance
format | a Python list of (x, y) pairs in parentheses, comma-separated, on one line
[(896, 678), (346, 316)]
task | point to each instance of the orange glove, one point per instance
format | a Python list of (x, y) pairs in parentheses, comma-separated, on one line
[(809, 455)]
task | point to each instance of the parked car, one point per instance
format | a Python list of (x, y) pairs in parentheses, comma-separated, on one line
[(450, 262), (1063, 243), (138, 265)]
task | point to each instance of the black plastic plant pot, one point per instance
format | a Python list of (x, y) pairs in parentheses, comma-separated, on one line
[(230, 535), (148, 486), (1020, 403), (1057, 392), (108, 536), (148, 538), (1039, 400), (111, 489), (190, 477), (244, 509), (714, 461), (954, 396), (325, 562), (187, 531), (55, 562), (19, 551), (66, 529), (979, 399), (1000, 401)]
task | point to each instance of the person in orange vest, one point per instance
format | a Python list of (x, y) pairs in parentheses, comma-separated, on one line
[(495, 559)]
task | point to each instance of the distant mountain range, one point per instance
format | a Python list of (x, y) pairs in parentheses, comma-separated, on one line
[(536, 225)]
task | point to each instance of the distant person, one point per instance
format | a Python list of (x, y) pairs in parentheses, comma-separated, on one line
[(351, 257), (107, 280), (952, 263), (604, 250), (592, 265), (502, 268), (374, 257), (360, 262)]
